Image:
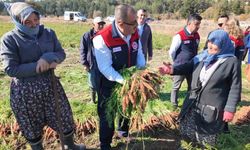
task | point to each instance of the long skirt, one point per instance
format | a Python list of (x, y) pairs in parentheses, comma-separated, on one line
[(33, 104), (188, 130)]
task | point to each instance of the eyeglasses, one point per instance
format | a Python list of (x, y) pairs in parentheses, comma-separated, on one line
[(220, 24), (131, 24)]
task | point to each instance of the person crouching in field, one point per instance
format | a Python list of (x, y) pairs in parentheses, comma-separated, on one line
[(87, 54), (215, 89), (30, 52)]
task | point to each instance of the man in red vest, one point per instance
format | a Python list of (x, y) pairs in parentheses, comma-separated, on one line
[(117, 46), (183, 48)]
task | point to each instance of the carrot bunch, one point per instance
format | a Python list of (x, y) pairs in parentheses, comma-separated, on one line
[(133, 95), (137, 91)]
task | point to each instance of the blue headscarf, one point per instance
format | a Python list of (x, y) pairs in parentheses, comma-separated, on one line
[(19, 12), (221, 39)]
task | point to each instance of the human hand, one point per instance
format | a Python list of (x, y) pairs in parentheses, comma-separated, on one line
[(86, 68), (53, 65), (166, 68), (42, 66), (228, 116)]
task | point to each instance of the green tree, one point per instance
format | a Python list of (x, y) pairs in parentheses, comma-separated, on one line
[(189, 7), (61, 6), (157, 7), (222, 8), (174, 6), (237, 7), (143, 5)]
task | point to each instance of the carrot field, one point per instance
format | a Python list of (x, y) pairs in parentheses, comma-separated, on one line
[(74, 79)]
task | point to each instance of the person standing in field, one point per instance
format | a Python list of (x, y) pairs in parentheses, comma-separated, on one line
[(117, 46), (215, 90), (145, 34), (183, 48), (237, 36), (30, 52), (221, 22), (87, 54)]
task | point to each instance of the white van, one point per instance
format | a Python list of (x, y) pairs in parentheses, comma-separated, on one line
[(74, 15)]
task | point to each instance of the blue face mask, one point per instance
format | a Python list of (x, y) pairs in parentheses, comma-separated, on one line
[(32, 32)]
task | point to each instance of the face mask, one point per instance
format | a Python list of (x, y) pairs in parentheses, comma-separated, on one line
[(32, 32)]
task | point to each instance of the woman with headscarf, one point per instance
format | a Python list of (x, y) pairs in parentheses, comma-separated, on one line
[(30, 52), (215, 89)]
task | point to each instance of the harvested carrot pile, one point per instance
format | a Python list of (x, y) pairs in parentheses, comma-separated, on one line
[(168, 121), (82, 129), (242, 116), (86, 128)]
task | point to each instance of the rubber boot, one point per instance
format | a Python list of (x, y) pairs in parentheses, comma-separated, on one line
[(36, 146), (70, 145)]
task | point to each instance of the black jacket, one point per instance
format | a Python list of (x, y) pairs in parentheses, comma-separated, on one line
[(223, 90), (86, 49)]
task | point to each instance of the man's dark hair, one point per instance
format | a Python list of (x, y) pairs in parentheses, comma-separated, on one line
[(193, 17), (143, 10), (224, 16)]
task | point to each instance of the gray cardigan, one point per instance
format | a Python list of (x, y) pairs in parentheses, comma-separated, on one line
[(223, 90), (20, 52), (146, 41)]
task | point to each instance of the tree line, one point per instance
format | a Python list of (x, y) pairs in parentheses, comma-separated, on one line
[(177, 8)]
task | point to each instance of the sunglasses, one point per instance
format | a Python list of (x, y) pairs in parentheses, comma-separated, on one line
[(220, 24)]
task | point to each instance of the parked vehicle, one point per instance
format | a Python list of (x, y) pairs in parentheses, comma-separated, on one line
[(74, 15)]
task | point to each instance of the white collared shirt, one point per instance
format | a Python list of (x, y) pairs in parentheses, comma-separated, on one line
[(206, 74), (176, 43), (140, 29), (125, 38), (104, 57)]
